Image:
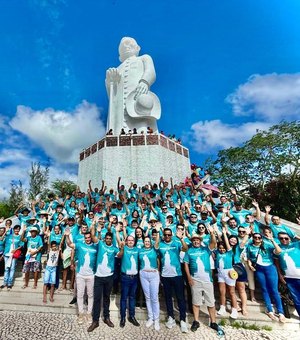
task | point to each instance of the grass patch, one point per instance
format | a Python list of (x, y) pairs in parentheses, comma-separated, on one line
[(244, 325)]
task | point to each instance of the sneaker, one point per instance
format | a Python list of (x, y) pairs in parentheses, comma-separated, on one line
[(73, 301), (3, 286), (149, 323), (170, 323), (234, 313), (80, 318), (222, 310), (9, 288), (282, 318), (195, 326), (183, 327), (156, 325), (89, 317)]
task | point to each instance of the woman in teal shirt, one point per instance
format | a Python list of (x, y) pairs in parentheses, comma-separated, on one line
[(260, 260), (149, 276)]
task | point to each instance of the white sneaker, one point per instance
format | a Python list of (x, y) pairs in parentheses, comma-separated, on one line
[(170, 323), (183, 327), (234, 313), (156, 325), (89, 317), (222, 310), (149, 323), (80, 319)]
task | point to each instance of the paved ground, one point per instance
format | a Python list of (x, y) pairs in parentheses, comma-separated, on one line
[(33, 326)]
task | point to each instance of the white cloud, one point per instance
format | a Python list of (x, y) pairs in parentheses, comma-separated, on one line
[(209, 136), (61, 134), (270, 97)]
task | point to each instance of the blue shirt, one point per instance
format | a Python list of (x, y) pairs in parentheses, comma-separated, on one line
[(264, 257), (10, 240), (224, 260), (35, 243)]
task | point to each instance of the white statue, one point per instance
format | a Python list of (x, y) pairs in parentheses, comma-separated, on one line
[(131, 104)]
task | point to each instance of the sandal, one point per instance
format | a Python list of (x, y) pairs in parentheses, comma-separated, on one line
[(24, 287), (272, 316), (282, 318)]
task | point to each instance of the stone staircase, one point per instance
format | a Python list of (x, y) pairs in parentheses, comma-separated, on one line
[(31, 300)]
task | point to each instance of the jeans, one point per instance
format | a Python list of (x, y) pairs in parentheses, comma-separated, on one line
[(102, 288), (177, 283), (9, 272), (82, 283), (268, 278), (128, 290), (294, 287), (150, 285)]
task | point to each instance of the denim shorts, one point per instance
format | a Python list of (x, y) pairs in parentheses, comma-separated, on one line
[(50, 275)]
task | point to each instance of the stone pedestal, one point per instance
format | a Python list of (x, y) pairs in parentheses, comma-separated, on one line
[(137, 158)]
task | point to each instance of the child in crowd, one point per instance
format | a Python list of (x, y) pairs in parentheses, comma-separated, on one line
[(50, 271)]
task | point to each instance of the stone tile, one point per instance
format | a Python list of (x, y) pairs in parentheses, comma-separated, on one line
[(111, 141), (87, 152), (94, 148), (186, 153), (179, 149), (163, 141), (101, 144), (152, 139), (171, 145), (138, 140), (124, 140)]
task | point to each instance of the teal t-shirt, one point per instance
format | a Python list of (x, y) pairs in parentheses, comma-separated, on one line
[(289, 260), (224, 260), (86, 255), (170, 258), (35, 243), (129, 263), (12, 241), (264, 257), (148, 258), (199, 263), (105, 264), (281, 228)]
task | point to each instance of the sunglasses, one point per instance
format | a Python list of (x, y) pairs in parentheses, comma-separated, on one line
[(242, 231), (284, 238), (180, 229), (201, 227), (257, 237), (167, 234)]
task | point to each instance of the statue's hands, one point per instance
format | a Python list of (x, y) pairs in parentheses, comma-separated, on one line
[(142, 88), (113, 75)]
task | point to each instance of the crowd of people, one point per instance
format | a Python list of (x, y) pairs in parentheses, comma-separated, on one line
[(182, 237)]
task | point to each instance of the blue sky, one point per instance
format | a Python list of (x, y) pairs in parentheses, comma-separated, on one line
[(224, 69)]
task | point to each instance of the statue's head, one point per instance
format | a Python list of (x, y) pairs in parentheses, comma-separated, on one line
[(128, 47)]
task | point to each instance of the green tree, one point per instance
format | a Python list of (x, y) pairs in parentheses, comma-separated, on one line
[(5, 210), (16, 195), (38, 179), (270, 159), (63, 187)]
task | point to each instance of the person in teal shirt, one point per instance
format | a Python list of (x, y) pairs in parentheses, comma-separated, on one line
[(260, 260), (224, 262), (12, 243), (33, 256), (149, 276), (86, 253), (169, 251), (198, 270), (129, 279), (289, 266), (105, 266)]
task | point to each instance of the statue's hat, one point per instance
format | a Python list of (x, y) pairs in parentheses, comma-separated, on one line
[(145, 105)]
